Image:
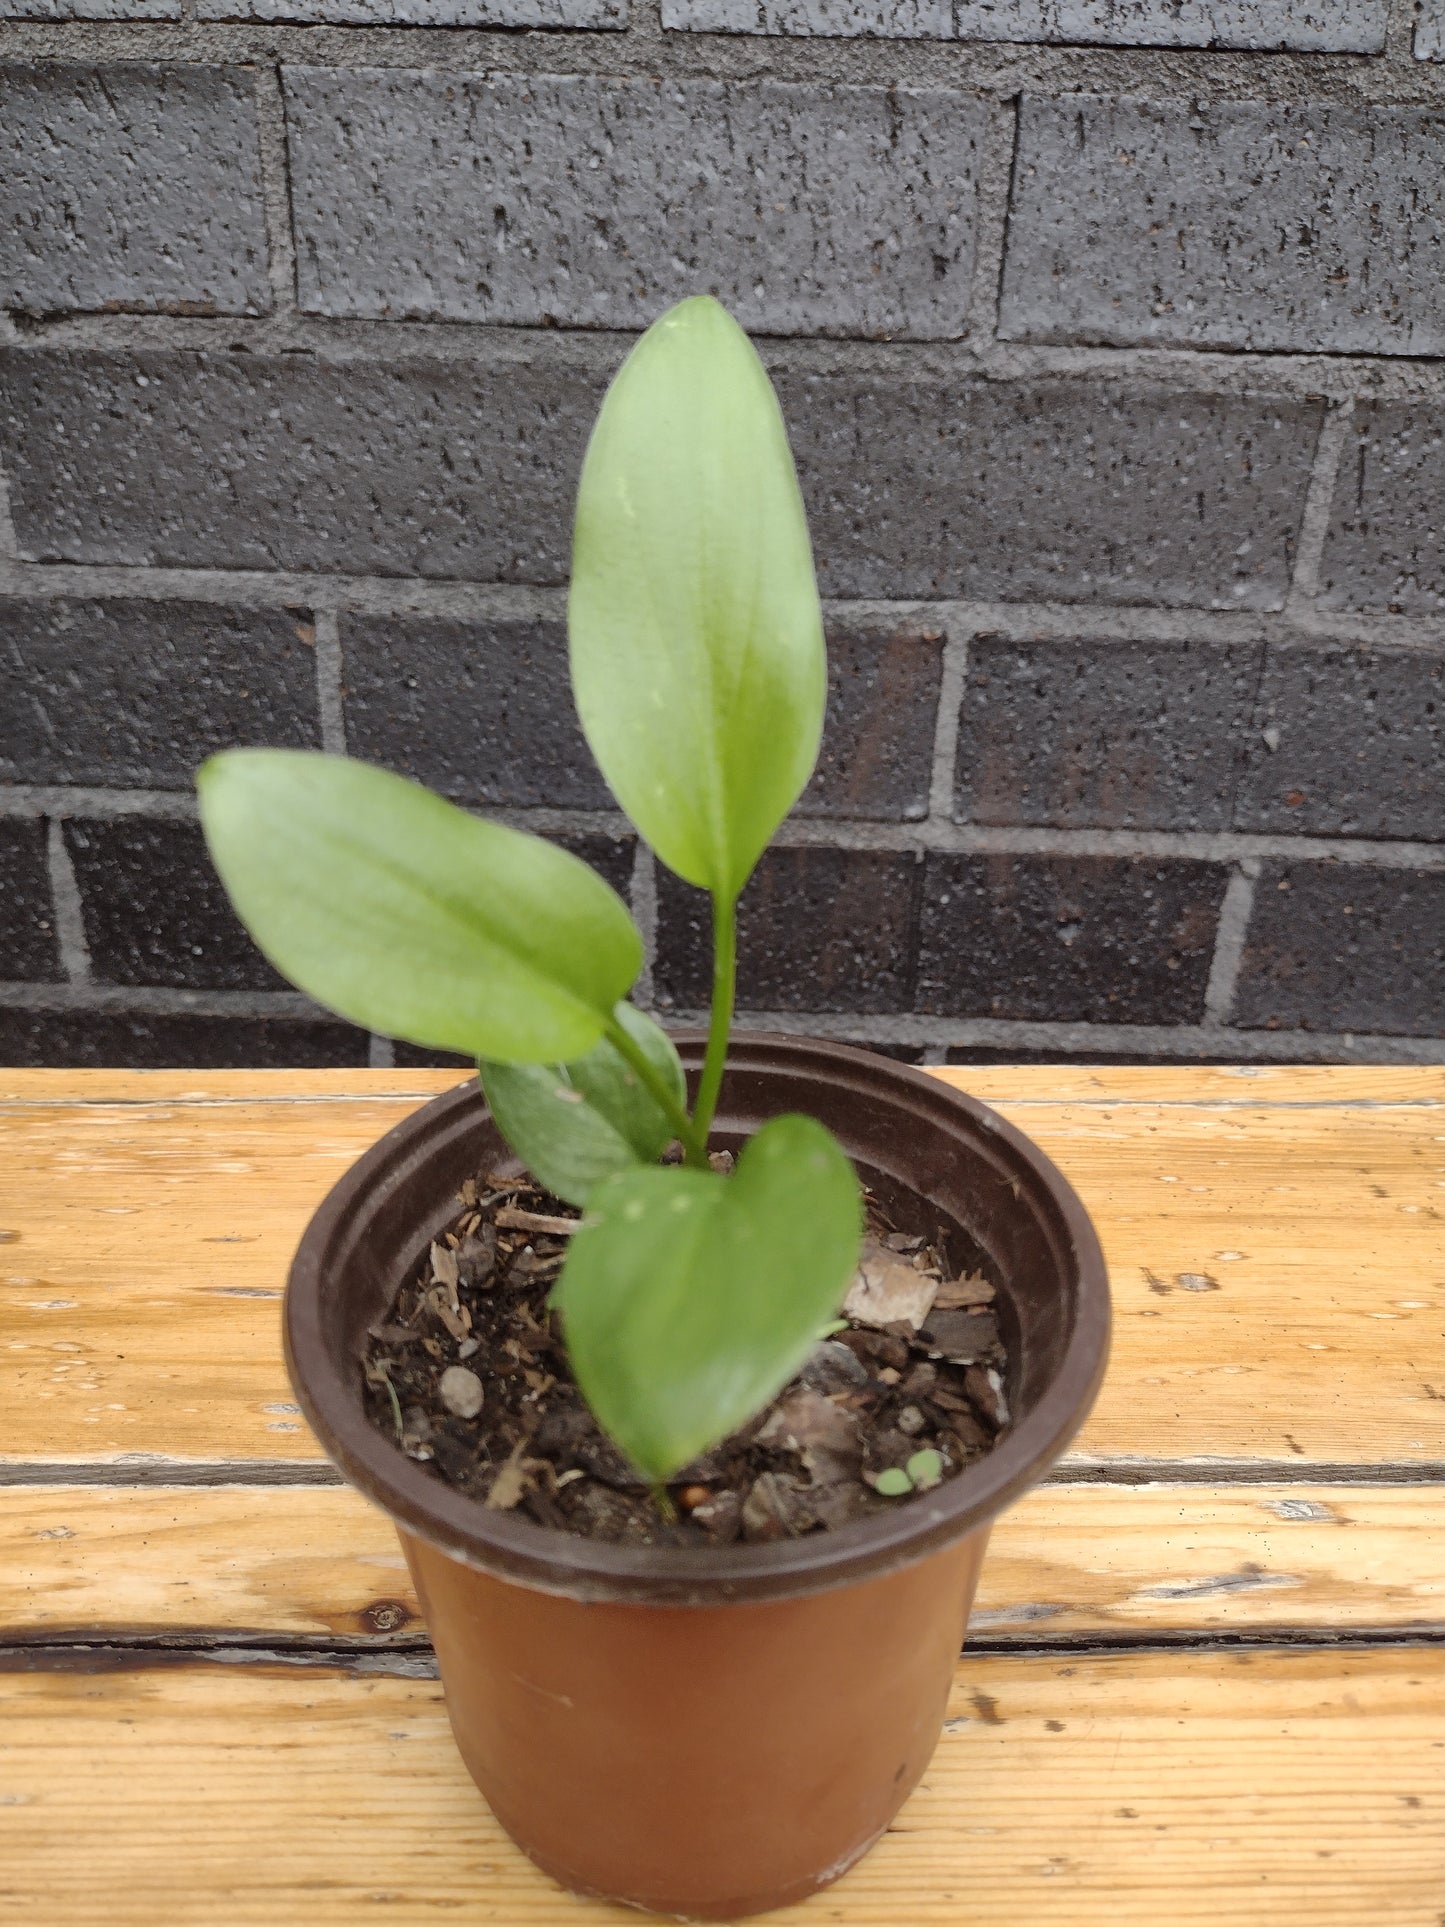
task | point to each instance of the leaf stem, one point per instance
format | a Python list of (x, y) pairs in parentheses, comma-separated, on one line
[(724, 989), (693, 1142)]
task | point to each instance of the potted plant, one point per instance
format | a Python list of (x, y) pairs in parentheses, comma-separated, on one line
[(694, 1709)]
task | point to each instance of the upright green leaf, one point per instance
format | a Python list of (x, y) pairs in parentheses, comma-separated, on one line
[(689, 1300), (696, 637), (405, 914), (574, 1124)]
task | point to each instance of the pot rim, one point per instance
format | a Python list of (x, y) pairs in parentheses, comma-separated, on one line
[(552, 1561)]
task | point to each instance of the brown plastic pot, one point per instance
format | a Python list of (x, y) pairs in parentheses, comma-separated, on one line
[(711, 1732)]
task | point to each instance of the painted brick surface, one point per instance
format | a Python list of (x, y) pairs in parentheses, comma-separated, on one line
[(123, 692), (265, 462), (155, 912), (1334, 947), (1106, 735), (480, 711), (122, 1040), (130, 186), (1233, 224), (597, 203), (90, 9), (1349, 742), (1386, 546), (877, 754), (818, 929), (422, 13), (1069, 491), (29, 952), (1310, 26), (1105, 940)]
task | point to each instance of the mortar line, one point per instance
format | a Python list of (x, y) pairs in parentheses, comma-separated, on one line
[(1319, 501), (9, 543), (329, 686), (644, 915), (1229, 940), (943, 775), (65, 902), (481, 601), (380, 1053), (904, 836), (994, 196), (272, 145)]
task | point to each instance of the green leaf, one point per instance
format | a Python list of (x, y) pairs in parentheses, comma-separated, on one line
[(690, 1299), (894, 1483), (410, 917), (574, 1124), (925, 1468), (697, 651)]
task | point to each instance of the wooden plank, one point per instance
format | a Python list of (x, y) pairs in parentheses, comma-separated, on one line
[(1069, 1562), (1192, 1788), (148, 1242)]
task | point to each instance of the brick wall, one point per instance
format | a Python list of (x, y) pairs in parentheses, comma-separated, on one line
[(1108, 335)]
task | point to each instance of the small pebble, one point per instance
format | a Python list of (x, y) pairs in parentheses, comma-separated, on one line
[(910, 1421), (461, 1391), (888, 1376), (469, 1348), (692, 1496)]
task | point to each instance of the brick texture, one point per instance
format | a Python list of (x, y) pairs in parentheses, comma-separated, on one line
[(29, 952), (1104, 735), (877, 755), (422, 13), (1350, 742), (1232, 224), (1123, 940), (130, 186), (1430, 30), (114, 692), (1069, 491), (155, 912), (612, 857), (1337, 948), (1386, 546), (141, 1040), (1347, 26), (818, 929), (431, 468), (90, 9), (536, 198), (480, 711)]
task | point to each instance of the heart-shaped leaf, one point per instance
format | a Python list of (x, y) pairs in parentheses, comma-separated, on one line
[(574, 1124), (407, 915), (689, 1299), (696, 637)]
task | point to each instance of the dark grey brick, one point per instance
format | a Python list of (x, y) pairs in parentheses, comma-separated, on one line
[(597, 202), (1303, 226), (1069, 490), (131, 186), (1347, 26), (1105, 940), (29, 952), (1108, 735), (154, 909), (612, 857), (877, 755), (1338, 947), (1060, 490), (248, 461), (140, 1040), (1386, 545), (1348, 742), (422, 13), (481, 711), (818, 929), (139, 693)]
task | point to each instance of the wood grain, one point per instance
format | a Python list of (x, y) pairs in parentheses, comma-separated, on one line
[(1069, 1562), (1278, 1262), (1191, 1788)]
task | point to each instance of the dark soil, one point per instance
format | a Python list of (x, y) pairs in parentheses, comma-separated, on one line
[(469, 1375)]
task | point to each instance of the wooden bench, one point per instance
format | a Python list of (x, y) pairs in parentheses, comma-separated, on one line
[(1205, 1681)]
